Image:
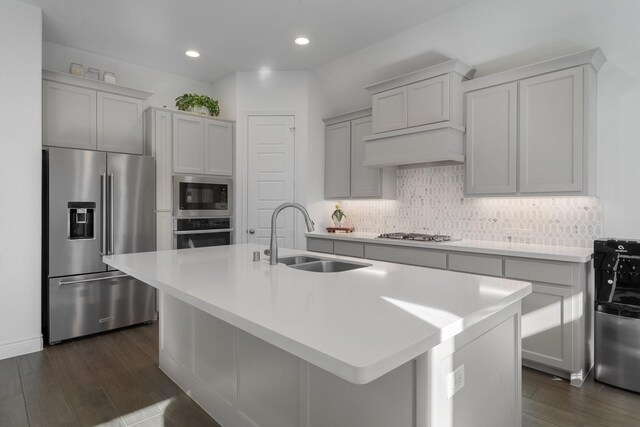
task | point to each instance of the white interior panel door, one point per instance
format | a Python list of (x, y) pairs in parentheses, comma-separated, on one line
[(271, 145)]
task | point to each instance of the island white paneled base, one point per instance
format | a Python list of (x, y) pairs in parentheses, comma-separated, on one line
[(241, 380)]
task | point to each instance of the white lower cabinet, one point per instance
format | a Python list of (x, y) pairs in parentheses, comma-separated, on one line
[(244, 381), (215, 356), (557, 327), (547, 326)]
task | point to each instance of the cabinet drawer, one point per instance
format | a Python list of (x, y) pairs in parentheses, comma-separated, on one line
[(320, 245), (348, 249), (487, 266), (421, 257), (559, 274)]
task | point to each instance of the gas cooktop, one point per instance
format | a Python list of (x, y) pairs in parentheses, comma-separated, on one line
[(418, 237)]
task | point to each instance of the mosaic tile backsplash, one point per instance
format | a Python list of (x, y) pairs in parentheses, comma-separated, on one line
[(430, 200)]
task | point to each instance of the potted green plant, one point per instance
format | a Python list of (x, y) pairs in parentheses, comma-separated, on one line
[(338, 216), (201, 104)]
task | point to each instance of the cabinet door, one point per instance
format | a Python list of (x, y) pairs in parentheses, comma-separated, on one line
[(390, 110), (337, 168), (120, 124), (218, 148), (188, 144), (68, 116), (365, 181), (551, 122), (428, 101), (490, 149), (162, 136), (547, 325)]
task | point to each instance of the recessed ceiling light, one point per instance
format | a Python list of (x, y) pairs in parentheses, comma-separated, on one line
[(192, 53), (301, 41)]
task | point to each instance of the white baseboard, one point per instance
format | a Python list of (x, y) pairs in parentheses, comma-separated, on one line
[(18, 348)]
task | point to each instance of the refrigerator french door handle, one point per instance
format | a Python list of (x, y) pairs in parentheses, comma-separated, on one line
[(103, 214), (110, 214)]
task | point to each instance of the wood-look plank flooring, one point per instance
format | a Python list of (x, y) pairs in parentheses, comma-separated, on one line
[(113, 380), (551, 401), (110, 380)]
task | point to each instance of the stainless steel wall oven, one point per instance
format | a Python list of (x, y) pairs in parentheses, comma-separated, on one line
[(201, 232)]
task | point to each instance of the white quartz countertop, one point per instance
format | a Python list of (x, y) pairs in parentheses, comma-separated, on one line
[(524, 250), (358, 324)]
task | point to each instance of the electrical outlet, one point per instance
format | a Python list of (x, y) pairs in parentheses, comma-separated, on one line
[(455, 381), (517, 235)]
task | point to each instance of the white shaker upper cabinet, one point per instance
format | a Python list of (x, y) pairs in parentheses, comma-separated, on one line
[(428, 101), (188, 144), (69, 116), (365, 181), (337, 180), (120, 124), (551, 132), (491, 140), (390, 110), (218, 148)]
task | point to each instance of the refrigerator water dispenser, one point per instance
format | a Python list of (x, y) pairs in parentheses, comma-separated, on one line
[(81, 220)]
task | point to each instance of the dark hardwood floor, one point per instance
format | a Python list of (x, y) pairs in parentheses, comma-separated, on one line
[(114, 380), (551, 401), (105, 380)]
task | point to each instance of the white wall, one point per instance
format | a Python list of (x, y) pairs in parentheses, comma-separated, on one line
[(226, 92), (495, 35), (286, 93), (20, 178), (165, 86), (319, 209)]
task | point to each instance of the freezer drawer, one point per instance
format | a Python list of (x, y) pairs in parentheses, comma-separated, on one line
[(90, 303), (617, 346)]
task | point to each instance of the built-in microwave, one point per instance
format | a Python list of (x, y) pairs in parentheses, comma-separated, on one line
[(202, 196)]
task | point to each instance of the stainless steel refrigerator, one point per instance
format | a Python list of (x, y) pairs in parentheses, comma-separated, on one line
[(94, 204)]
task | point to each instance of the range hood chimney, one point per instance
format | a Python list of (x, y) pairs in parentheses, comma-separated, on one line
[(418, 117)]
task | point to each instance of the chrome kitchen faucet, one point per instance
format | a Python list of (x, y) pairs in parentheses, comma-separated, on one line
[(272, 252)]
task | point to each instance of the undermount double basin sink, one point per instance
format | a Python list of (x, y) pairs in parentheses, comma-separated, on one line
[(319, 265)]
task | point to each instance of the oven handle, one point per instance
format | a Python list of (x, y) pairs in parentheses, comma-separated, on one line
[(221, 230)]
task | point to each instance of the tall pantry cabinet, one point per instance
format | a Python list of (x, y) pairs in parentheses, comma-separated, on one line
[(184, 144)]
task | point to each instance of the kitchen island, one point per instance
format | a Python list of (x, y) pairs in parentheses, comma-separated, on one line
[(382, 345)]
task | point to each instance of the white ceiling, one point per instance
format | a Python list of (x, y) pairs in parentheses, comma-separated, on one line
[(231, 35)]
